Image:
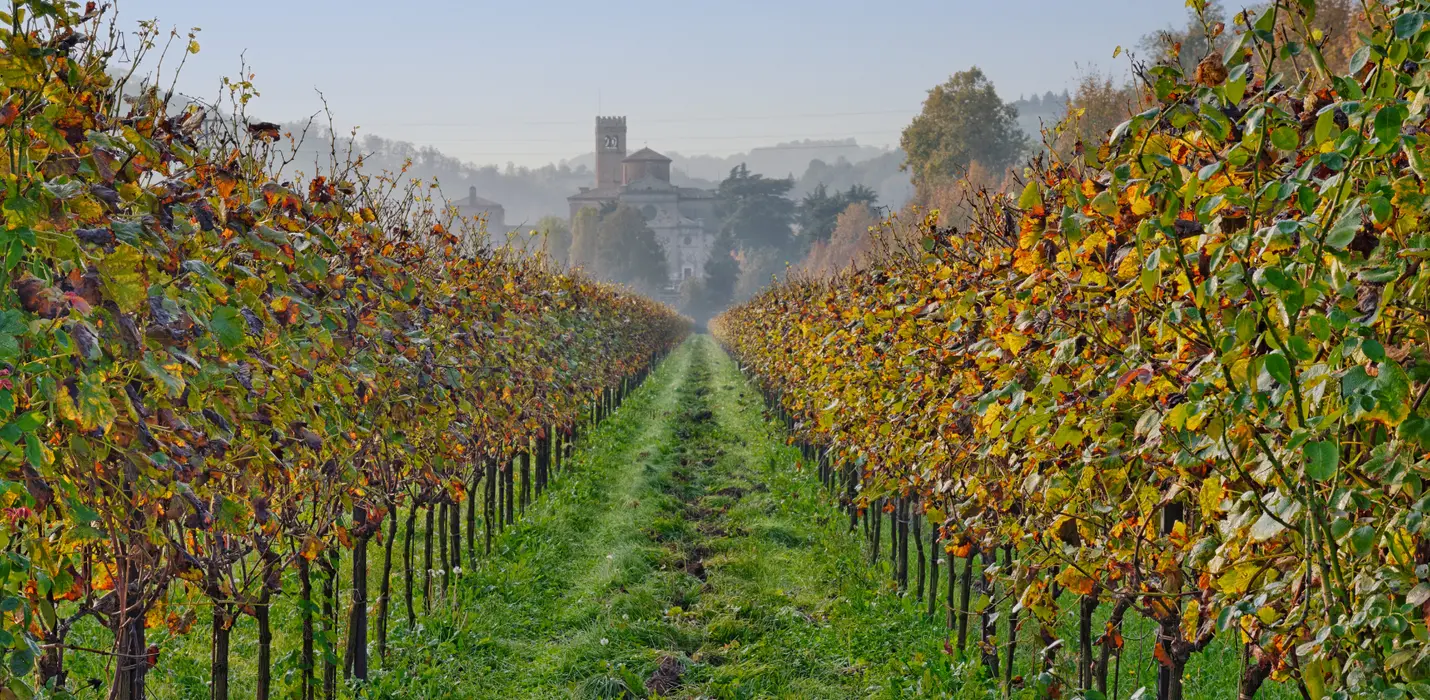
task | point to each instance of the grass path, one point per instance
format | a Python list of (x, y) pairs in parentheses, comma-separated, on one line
[(685, 558), (682, 554)]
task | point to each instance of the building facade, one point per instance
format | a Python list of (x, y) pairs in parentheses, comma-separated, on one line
[(474, 207), (683, 218)]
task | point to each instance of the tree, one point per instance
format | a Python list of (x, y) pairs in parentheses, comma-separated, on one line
[(627, 252), (860, 194), (583, 238), (1342, 24), (759, 267), (816, 213), (850, 242), (819, 211), (1097, 107), (756, 211), (722, 271), (963, 121), (557, 236)]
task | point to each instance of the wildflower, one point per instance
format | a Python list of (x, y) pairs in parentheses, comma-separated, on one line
[(605, 641)]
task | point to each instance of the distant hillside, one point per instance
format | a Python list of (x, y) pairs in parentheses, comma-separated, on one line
[(528, 194), (780, 160), (1038, 112), (880, 174)]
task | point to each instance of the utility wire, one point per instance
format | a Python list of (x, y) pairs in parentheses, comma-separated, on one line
[(678, 120)]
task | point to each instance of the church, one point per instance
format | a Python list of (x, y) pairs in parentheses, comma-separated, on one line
[(683, 218)]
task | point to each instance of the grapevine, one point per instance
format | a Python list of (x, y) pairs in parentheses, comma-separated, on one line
[(215, 377), (1179, 376)]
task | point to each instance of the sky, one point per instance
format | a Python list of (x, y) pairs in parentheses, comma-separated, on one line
[(521, 81)]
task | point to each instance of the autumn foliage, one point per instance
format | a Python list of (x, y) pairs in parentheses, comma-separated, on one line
[(1180, 376), (211, 375)]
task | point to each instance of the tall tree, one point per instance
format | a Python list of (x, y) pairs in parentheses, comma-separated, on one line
[(1096, 108), (556, 235), (627, 251), (756, 211), (849, 243), (583, 238), (722, 271), (819, 211), (963, 121)]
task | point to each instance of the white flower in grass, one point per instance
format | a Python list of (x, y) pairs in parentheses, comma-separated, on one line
[(457, 570), (605, 641)]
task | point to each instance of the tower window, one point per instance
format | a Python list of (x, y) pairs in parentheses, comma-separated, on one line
[(686, 273)]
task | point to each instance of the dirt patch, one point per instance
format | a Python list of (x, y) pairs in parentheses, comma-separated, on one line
[(694, 563), (702, 416), (666, 677), (732, 492)]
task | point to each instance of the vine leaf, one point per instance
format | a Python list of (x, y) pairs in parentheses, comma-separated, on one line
[(227, 324), (1321, 460), (122, 279)]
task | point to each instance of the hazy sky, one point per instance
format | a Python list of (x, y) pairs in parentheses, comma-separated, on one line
[(521, 81)]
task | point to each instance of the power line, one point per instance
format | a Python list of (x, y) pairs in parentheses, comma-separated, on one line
[(679, 120), (567, 155), (843, 134)]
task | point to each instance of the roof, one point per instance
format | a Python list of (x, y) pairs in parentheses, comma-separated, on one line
[(645, 154), (472, 201), (467, 203), (598, 194)]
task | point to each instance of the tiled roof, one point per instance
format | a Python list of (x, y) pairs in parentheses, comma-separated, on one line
[(598, 194), (646, 154), (472, 201)]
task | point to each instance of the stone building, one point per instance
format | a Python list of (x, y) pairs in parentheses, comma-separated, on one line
[(683, 218), (473, 206), (493, 213)]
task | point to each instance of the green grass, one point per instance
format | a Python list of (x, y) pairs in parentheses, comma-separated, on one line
[(684, 549)]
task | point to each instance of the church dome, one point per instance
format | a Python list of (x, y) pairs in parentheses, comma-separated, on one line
[(645, 155), (645, 163)]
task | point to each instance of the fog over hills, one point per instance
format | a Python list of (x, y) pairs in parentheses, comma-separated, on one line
[(531, 193), (787, 159)]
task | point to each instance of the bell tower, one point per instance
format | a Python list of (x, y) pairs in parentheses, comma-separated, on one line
[(610, 150)]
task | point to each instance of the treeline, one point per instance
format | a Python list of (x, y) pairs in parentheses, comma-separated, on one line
[(967, 140), (1173, 381), (759, 229), (213, 380)]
